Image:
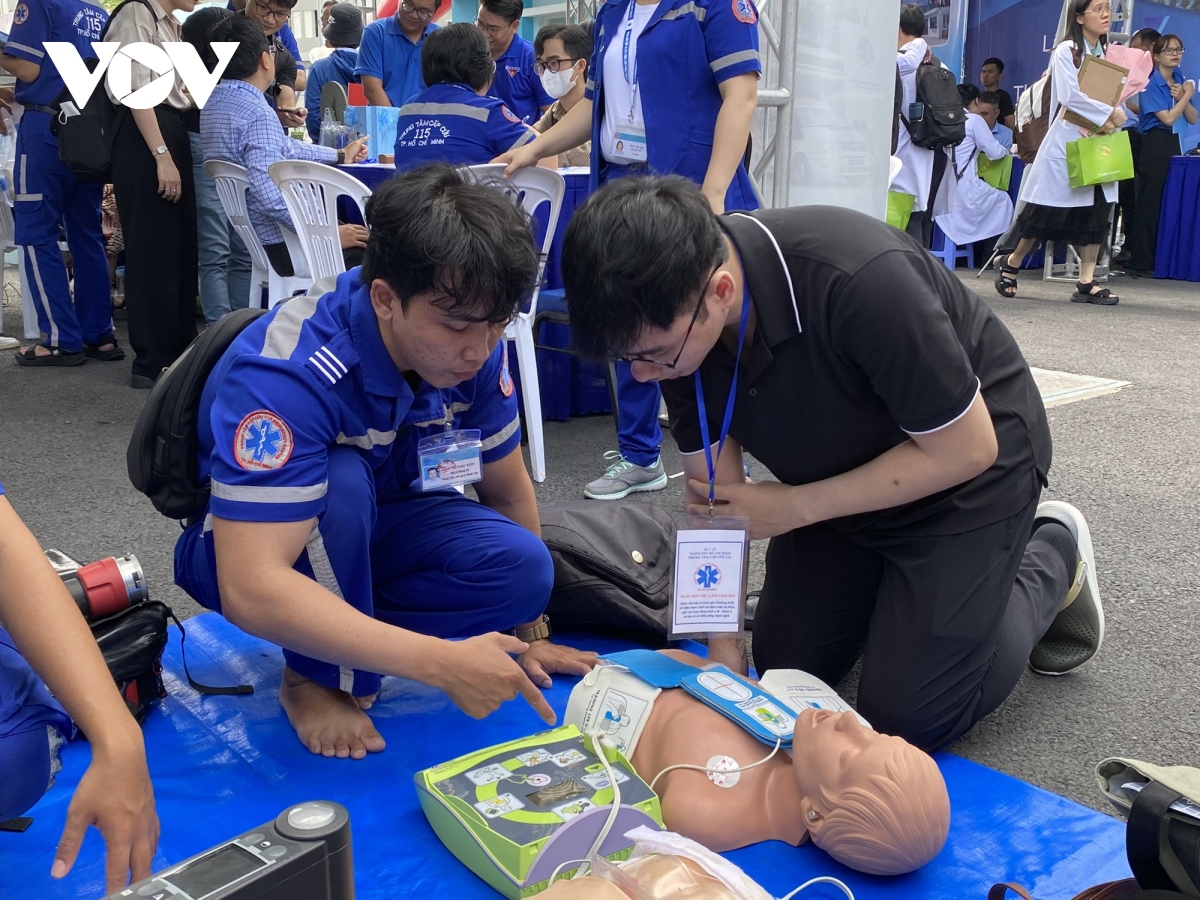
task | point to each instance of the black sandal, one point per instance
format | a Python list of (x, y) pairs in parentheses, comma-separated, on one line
[(1006, 281), (112, 355), (1085, 293), (57, 357)]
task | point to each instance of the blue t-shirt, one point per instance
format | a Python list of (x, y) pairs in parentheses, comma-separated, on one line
[(1156, 98), (314, 374), (37, 21), (386, 52), (517, 84), (451, 123)]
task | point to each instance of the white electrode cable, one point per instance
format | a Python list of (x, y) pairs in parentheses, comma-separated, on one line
[(713, 769), (598, 744), (824, 879)]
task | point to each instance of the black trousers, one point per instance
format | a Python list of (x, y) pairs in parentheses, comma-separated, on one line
[(944, 624), (160, 244), (1127, 189), (920, 224), (1154, 161)]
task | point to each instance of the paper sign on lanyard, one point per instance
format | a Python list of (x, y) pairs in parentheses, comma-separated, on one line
[(712, 553), (451, 458), (629, 137)]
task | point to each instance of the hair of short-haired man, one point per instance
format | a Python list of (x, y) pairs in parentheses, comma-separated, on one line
[(912, 21), (1164, 41), (967, 92), (197, 29), (509, 10), (994, 61), (637, 254), (1145, 37), (457, 54), (434, 229), (576, 39), (251, 45), (989, 98)]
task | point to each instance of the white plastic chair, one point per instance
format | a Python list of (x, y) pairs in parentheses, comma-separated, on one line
[(232, 184), (310, 191), (530, 188)]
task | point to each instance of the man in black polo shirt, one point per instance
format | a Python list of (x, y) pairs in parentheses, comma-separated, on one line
[(906, 431)]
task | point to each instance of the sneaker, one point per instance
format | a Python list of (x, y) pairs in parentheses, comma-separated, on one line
[(624, 478), (1078, 630), (8, 343)]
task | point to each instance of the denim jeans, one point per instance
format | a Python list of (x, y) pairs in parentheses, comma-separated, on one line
[(224, 259)]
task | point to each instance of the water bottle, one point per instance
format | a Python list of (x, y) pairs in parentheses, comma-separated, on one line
[(328, 130)]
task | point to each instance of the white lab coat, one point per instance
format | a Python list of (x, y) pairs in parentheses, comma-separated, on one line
[(1046, 182), (983, 211), (916, 176)]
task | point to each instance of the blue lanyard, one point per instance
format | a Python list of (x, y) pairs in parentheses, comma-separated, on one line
[(728, 417), (632, 82)]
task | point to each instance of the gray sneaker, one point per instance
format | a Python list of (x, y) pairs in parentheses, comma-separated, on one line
[(1078, 630), (624, 478)]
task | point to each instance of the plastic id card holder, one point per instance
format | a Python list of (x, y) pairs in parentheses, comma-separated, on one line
[(711, 558), (451, 458), (629, 142)]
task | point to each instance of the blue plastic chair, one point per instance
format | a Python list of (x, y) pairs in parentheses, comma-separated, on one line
[(949, 253)]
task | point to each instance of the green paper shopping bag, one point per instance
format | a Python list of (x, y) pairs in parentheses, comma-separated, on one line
[(1099, 159), (899, 209), (997, 173)]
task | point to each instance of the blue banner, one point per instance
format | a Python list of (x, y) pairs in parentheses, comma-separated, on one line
[(947, 31)]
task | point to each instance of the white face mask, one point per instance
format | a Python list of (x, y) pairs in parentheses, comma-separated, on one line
[(558, 84)]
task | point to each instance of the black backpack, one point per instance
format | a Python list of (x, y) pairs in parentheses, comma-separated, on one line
[(164, 449), (85, 141), (937, 119)]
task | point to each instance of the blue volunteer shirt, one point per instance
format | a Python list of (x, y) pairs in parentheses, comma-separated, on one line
[(37, 21), (386, 52), (314, 374), (451, 123), (517, 84), (1156, 98), (689, 47)]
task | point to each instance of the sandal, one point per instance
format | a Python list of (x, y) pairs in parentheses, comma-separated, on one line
[(111, 355), (1006, 281), (1087, 293), (56, 357)]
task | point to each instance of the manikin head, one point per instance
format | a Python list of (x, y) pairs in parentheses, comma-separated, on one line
[(873, 802)]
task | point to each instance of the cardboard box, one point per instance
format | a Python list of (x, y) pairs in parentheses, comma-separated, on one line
[(1100, 80)]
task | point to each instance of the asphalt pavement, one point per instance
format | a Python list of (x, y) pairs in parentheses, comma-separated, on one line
[(1127, 459)]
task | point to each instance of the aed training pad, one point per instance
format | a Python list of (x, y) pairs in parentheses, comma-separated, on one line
[(222, 765), (520, 812)]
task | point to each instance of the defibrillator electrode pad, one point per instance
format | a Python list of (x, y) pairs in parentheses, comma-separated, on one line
[(613, 702), (801, 691), (759, 713)]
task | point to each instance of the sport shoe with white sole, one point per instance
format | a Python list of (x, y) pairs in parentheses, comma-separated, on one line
[(1077, 631), (8, 343), (624, 478)]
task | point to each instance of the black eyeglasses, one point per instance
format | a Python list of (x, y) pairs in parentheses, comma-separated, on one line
[(1174, 51), (425, 15), (686, 335), (553, 64)]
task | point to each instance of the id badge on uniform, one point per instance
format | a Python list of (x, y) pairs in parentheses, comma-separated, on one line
[(630, 142), (711, 559), (450, 459)]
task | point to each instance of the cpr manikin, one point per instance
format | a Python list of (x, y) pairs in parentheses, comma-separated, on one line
[(873, 802)]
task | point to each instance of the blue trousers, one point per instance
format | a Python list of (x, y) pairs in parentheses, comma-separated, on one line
[(439, 564), (32, 726), (48, 194), (223, 258)]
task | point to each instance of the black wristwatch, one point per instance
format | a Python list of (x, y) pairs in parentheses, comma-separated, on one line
[(539, 632), (341, 158)]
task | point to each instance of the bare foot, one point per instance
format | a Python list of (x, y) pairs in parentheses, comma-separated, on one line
[(366, 702), (327, 722)]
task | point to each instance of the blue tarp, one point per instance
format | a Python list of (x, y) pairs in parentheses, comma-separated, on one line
[(223, 765)]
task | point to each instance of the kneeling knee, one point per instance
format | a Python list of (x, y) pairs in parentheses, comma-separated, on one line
[(529, 570)]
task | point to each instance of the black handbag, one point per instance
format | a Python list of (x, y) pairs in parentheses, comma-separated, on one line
[(612, 567)]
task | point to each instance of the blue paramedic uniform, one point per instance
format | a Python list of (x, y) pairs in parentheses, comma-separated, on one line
[(386, 52), (48, 193), (307, 416), (517, 84), (32, 727), (688, 48), (451, 123)]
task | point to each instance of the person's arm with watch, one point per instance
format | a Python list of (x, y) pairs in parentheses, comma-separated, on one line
[(170, 184), (506, 488)]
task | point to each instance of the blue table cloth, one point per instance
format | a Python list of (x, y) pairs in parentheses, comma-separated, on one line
[(1178, 253)]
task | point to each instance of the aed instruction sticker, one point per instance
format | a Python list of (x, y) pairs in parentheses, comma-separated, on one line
[(262, 441), (499, 805)]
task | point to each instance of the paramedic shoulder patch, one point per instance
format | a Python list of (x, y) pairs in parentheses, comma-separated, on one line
[(263, 441)]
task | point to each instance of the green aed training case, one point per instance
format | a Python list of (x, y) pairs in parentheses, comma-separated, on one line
[(516, 812)]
